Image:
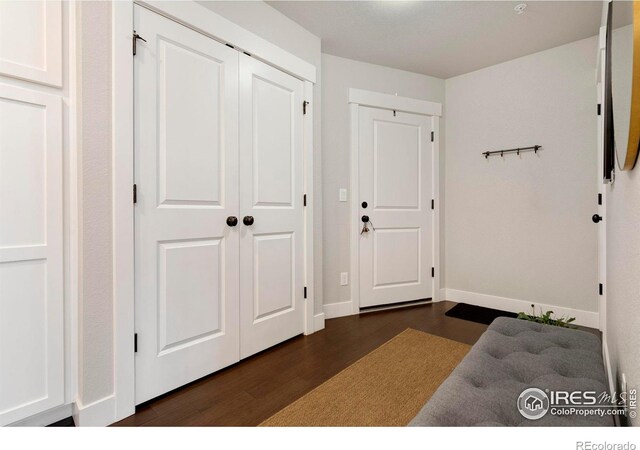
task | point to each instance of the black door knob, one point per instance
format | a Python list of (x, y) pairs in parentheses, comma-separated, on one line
[(596, 218), (232, 221), (248, 220), (365, 219)]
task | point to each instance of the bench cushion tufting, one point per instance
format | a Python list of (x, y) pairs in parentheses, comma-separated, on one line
[(510, 356)]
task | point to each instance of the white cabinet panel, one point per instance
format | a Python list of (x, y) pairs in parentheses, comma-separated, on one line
[(31, 40), (31, 269), (22, 173)]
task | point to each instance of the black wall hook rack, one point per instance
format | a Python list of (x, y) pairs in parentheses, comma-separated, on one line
[(533, 148)]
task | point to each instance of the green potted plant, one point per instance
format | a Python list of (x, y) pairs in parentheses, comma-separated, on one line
[(546, 318)]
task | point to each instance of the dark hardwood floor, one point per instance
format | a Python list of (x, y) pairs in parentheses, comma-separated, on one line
[(252, 390)]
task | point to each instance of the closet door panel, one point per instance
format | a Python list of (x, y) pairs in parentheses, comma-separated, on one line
[(31, 266), (186, 173), (271, 194)]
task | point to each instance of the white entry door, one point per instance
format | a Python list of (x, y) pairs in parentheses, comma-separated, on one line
[(271, 205), (186, 173), (395, 170)]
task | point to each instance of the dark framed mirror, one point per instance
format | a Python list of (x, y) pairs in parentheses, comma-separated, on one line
[(622, 87)]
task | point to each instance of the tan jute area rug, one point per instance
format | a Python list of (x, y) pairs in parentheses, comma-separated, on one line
[(387, 387)]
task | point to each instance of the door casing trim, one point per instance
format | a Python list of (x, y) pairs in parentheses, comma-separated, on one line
[(205, 21), (358, 98)]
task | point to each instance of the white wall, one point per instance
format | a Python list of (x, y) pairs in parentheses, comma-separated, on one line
[(338, 75), (520, 227), (96, 294), (623, 276), (275, 27)]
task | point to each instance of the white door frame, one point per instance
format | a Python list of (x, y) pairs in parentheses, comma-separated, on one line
[(602, 211), (204, 21), (602, 186), (357, 98)]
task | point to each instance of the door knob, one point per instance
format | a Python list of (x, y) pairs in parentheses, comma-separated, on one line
[(232, 221), (248, 220), (365, 219), (596, 218)]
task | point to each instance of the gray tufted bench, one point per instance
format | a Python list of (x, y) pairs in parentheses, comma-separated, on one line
[(510, 356)]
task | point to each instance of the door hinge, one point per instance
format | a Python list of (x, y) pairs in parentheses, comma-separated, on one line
[(599, 109), (304, 107), (432, 136), (599, 199), (600, 289), (433, 272), (305, 292), (433, 204), (135, 343), (304, 200), (135, 193), (136, 36)]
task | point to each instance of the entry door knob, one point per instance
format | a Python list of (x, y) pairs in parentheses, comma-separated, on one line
[(596, 218), (248, 220), (365, 219), (232, 221)]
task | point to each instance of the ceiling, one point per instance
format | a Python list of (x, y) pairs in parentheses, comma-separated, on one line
[(442, 38)]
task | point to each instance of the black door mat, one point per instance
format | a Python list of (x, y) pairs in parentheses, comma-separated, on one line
[(68, 422), (478, 314)]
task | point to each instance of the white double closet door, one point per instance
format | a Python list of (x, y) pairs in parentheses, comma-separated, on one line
[(218, 139)]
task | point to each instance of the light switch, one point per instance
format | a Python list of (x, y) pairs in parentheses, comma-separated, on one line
[(343, 195)]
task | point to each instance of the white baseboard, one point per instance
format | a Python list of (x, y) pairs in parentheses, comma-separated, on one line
[(97, 414), (607, 364), (609, 371), (318, 322), (585, 318), (333, 310), (46, 417)]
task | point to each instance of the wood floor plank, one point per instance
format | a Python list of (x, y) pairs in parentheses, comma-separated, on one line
[(252, 390)]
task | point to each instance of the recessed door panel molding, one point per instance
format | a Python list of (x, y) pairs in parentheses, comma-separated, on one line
[(396, 181), (399, 261), (274, 284), (191, 301), (273, 142), (271, 193), (397, 150), (31, 40), (190, 81), (31, 265), (186, 172)]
